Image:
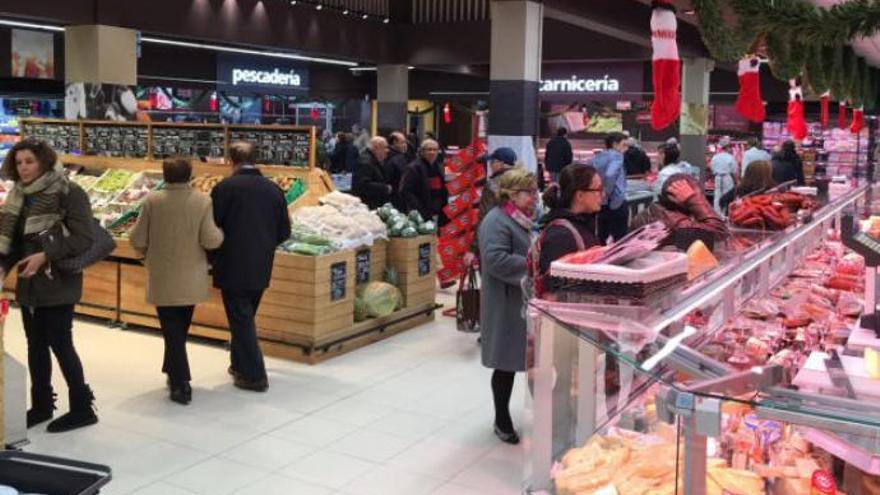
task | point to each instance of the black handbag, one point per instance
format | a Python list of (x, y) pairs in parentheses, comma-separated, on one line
[(102, 245), (467, 302)]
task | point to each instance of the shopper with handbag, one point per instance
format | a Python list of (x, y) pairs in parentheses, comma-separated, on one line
[(47, 219), (504, 238), (570, 226), (252, 212), (175, 227)]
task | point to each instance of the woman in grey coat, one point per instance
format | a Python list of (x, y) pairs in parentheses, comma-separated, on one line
[(504, 239)]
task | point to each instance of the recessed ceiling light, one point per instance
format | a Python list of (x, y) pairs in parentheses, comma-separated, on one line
[(345, 12), (387, 20), (365, 16), (319, 7), (292, 2)]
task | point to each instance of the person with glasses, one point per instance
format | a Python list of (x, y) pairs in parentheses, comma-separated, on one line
[(423, 187), (504, 238), (570, 226)]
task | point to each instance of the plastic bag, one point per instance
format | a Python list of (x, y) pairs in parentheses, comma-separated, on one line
[(380, 299)]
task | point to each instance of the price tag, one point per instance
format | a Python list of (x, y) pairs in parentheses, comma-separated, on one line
[(424, 259), (362, 266), (338, 276)]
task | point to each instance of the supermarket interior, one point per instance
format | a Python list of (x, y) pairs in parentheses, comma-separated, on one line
[(440, 247)]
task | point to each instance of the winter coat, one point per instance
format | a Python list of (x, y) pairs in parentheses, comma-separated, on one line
[(504, 245), (557, 241), (252, 213), (175, 228), (785, 170), (394, 168), (369, 182), (344, 158), (424, 189), (695, 215), (41, 290), (558, 154)]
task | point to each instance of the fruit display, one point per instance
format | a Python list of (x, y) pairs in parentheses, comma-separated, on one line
[(341, 218), (114, 181), (285, 182), (769, 211), (206, 183), (400, 225), (84, 181), (304, 241)]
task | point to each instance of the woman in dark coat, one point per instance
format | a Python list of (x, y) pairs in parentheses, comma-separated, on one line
[(570, 226), (344, 157), (504, 239), (47, 218), (423, 187), (787, 165), (758, 177)]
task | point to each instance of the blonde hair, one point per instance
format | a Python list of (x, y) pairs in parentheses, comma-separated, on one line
[(514, 180)]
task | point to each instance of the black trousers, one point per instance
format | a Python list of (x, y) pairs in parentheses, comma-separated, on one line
[(51, 328), (613, 223), (241, 310), (175, 321)]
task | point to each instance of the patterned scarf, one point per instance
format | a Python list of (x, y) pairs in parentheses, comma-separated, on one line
[(44, 195), (518, 216)]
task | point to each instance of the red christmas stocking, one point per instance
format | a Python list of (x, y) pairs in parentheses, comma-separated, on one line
[(825, 109), (797, 124), (666, 65), (858, 122), (749, 103), (841, 115)]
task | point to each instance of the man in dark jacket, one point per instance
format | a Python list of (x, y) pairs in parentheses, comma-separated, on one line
[(252, 212), (559, 154), (369, 182), (635, 160), (395, 167), (424, 185)]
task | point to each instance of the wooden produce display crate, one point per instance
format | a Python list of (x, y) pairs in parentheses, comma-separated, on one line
[(370, 263), (310, 298), (415, 260)]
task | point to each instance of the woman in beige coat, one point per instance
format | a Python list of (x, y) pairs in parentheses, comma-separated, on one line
[(175, 228)]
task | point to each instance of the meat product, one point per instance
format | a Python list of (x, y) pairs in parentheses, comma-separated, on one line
[(829, 294), (761, 309), (584, 257), (796, 322), (843, 283), (850, 305)]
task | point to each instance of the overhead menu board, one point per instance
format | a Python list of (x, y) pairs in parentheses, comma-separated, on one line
[(63, 137), (123, 141), (276, 146), (188, 141)]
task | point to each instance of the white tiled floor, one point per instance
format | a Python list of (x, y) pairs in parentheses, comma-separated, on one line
[(410, 415)]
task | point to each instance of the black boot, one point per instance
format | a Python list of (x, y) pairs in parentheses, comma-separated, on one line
[(182, 393), (81, 413), (42, 406)]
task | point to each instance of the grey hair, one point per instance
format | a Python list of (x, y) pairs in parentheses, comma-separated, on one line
[(426, 143)]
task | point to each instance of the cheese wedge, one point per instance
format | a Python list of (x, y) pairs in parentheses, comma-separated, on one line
[(700, 260)]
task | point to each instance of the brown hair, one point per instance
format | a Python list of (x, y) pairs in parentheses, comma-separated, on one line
[(44, 153), (573, 178), (514, 180), (241, 152), (176, 170), (758, 176)]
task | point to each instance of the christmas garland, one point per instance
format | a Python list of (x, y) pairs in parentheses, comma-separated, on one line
[(809, 23), (818, 69), (725, 43)]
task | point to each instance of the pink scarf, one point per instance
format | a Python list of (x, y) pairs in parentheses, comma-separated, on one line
[(518, 216)]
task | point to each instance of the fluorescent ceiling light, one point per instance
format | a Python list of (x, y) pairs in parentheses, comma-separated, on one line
[(372, 69), (30, 25), (246, 51)]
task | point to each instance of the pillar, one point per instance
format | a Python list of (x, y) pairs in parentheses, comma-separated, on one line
[(694, 127), (515, 73), (100, 54), (393, 93)]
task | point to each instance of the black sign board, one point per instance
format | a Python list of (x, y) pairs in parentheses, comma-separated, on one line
[(424, 259), (362, 266), (338, 277)]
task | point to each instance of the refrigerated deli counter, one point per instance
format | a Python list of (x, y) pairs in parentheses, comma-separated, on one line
[(755, 378)]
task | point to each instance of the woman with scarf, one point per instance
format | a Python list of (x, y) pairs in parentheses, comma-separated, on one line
[(47, 218), (504, 238), (570, 226)]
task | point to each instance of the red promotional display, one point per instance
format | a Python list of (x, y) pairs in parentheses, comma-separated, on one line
[(749, 103), (464, 202), (666, 65), (796, 124)]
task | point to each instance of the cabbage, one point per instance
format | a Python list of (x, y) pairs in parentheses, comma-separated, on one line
[(380, 298)]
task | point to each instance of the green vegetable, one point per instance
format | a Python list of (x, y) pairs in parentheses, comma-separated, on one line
[(360, 309), (409, 232), (380, 298), (313, 239), (416, 217), (427, 228), (391, 276)]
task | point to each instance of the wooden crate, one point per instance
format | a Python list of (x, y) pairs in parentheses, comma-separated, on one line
[(415, 261), (309, 296), (370, 263)]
